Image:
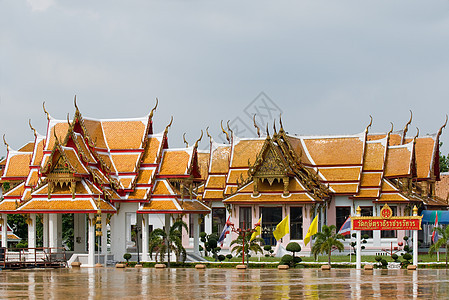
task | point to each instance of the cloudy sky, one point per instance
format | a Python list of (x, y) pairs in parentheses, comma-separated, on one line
[(326, 65)]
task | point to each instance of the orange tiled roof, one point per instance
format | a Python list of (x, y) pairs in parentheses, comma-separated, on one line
[(424, 154), (216, 182), (95, 132), (152, 149), (58, 126), (127, 134), (220, 157), (75, 161), (399, 160), (203, 164), (16, 192), (74, 205), (344, 188), (18, 164), (7, 205), (175, 162), (367, 193), (371, 179), (138, 194), (375, 155), (392, 197), (125, 162), (28, 147), (162, 187), (442, 186), (244, 150), (213, 194), (336, 150), (234, 175), (341, 174), (269, 198)]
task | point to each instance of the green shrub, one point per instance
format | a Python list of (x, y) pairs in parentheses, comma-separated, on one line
[(229, 256), (127, 256), (378, 258), (384, 263), (287, 259), (221, 257), (395, 257)]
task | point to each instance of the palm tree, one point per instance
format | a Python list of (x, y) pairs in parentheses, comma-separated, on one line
[(443, 240), (159, 241), (326, 241), (250, 245)]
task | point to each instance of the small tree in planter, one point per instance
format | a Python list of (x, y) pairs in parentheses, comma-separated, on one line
[(407, 257), (294, 247), (229, 256), (127, 257), (326, 241), (287, 259)]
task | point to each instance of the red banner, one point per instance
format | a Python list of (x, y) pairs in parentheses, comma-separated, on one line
[(395, 223)]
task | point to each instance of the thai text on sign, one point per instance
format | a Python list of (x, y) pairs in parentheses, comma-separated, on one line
[(394, 223)]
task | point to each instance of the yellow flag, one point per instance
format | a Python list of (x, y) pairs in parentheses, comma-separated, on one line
[(312, 230), (258, 229), (281, 229)]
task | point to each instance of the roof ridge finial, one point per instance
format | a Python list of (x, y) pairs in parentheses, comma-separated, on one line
[(169, 125), (198, 140), (153, 109), (32, 128), (441, 128), (4, 141), (207, 132), (370, 123), (268, 133), (45, 111), (230, 130), (407, 124), (74, 101), (255, 125), (274, 126), (68, 119), (224, 131), (185, 142), (417, 133), (391, 130), (54, 133), (280, 122)]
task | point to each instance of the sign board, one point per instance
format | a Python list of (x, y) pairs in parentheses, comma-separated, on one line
[(386, 221)]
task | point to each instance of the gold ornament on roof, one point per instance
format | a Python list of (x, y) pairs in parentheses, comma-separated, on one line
[(45, 111), (154, 109), (168, 126), (185, 142), (370, 123), (32, 128), (224, 131), (74, 101), (207, 132), (230, 130), (274, 127), (441, 128), (280, 123), (255, 125), (4, 141), (391, 130), (407, 124), (198, 140)]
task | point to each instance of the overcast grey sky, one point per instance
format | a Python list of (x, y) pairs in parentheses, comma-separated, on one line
[(327, 65)]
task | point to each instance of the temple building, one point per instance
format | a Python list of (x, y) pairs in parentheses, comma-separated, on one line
[(279, 175), (121, 178), (113, 173)]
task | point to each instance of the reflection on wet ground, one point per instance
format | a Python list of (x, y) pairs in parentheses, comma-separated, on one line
[(110, 283)]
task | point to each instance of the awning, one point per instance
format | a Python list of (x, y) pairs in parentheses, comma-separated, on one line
[(429, 216)]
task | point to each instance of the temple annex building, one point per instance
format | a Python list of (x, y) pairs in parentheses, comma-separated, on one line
[(126, 173)]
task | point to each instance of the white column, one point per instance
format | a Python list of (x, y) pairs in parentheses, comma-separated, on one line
[(52, 230), (79, 233), (415, 241), (196, 234), (5, 231), (32, 232), (359, 243), (45, 230), (104, 237), (145, 237), (91, 241)]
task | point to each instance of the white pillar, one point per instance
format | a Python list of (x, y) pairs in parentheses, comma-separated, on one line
[(196, 234), (53, 230), (32, 232), (415, 241), (79, 233), (104, 236), (359, 244), (145, 237), (45, 230), (91, 239), (5, 231)]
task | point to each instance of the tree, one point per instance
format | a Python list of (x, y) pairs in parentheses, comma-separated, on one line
[(443, 240), (250, 245), (326, 241), (159, 241)]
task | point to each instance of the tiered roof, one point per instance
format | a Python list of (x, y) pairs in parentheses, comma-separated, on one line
[(387, 167), (87, 164)]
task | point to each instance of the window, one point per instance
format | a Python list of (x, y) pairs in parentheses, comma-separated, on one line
[(245, 218), (342, 213), (367, 211), (271, 216), (200, 222), (218, 220), (296, 223), (390, 233)]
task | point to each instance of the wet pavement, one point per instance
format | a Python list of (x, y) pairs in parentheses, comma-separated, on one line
[(110, 283)]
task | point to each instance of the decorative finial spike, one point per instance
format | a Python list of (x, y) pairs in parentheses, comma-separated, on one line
[(224, 131), (255, 125), (185, 142), (391, 130), (442, 127), (274, 126), (229, 128), (198, 140), (32, 128), (154, 109), (74, 101), (169, 125), (207, 132), (280, 122), (45, 111), (4, 141), (268, 133), (417, 133), (370, 123)]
